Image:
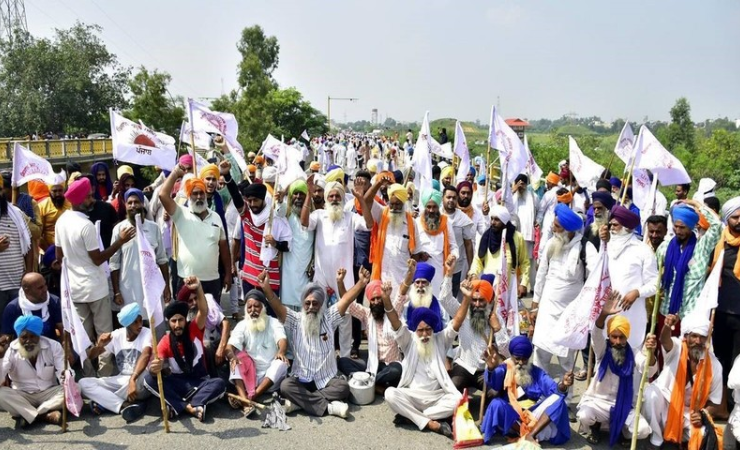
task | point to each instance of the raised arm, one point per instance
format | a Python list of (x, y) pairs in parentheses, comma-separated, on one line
[(164, 192), (350, 296), (390, 311), (306, 209), (666, 340), (466, 287), (367, 211), (410, 271), (193, 283), (341, 287), (280, 311)]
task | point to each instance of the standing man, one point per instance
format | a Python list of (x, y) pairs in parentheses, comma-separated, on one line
[(465, 194), (657, 229), (527, 205), (16, 255), (296, 262), (50, 209), (77, 240), (436, 235), (464, 231)]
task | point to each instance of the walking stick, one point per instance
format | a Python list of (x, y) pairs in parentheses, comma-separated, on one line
[(247, 401), (65, 343), (485, 385), (590, 365), (653, 324), (160, 387), (609, 166)]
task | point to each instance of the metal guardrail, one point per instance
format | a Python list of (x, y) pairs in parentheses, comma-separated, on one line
[(59, 151)]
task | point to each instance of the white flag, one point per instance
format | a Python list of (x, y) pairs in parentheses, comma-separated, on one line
[(534, 171), (203, 119), (237, 151), (707, 300), (510, 148), (584, 169), (461, 150), (641, 190), (70, 318), (151, 277), (199, 160), (287, 161), (578, 318), (304, 135), (201, 139), (422, 159), (136, 143), (654, 157), (443, 150), (625, 145), (28, 166)]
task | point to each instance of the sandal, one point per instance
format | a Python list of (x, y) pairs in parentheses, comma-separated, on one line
[(234, 403), (581, 375), (200, 413), (53, 417), (96, 409)]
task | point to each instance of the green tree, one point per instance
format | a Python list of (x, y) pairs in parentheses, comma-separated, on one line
[(681, 131), (64, 84), (152, 103), (292, 114)]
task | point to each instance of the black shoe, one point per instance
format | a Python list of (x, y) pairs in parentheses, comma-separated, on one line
[(132, 412), (445, 429), (572, 415), (20, 423), (401, 420)]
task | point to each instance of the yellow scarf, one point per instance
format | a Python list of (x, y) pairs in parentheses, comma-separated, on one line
[(729, 239)]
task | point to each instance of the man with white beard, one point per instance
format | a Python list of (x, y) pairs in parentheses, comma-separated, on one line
[(526, 396), (436, 236), (313, 384), (256, 352), (611, 395), (601, 202), (426, 394), (527, 205), (334, 247), (632, 266), (560, 278)]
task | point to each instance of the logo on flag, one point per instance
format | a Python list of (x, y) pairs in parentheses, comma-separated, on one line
[(136, 143)]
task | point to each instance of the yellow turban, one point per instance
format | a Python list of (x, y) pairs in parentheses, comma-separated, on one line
[(210, 169), (335, 175), (124, 169), (619, 323), (448, 171), (315, 165), (372, 166), (398, 191)]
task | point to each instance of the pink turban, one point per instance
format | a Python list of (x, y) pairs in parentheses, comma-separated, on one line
[(78, 191)]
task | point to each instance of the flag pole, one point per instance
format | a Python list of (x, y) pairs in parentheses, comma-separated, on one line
[(488, 170), (65, 344), (649, 357), (627, 179), (609, 166), (192, 138), (160, 386), (485, 384)]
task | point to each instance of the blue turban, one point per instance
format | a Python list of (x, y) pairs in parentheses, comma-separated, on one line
[(616, 182), (436, 185), (488, 277), (472, 170), (34, 324), (604, 198), (521, 347), (482, 179), (398, 176), (424, 271), (433, 195), (133, 191), (426, 315), (685, 214), (332, 167), (49, 256), (568, 219), (128, 314)]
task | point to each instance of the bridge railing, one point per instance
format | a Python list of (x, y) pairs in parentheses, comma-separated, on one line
[(58, 151)]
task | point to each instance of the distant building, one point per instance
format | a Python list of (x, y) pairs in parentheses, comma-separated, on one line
[(518, 125)]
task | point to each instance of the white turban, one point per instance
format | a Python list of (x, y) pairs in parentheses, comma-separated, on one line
[(319, 181), (501, 213), (695, 322), (705, 189), (269, 173), (331, 187), (730, 207)]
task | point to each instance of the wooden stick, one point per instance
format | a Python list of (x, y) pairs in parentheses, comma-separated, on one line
[(192, 143), (609, 166), (485, 385), (627, 180), (65, 344), (160, 386), (488, 171), (14, 196), (649, 357), (590, 365), (247, 401)]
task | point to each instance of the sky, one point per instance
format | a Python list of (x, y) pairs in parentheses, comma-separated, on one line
[(454, 58)]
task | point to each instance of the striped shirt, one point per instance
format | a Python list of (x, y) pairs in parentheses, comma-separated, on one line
[(388, 350), (253, 266), (11, 260), (314, 355), (698, 266)]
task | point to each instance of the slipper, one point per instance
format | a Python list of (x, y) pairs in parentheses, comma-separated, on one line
[(171, 414), (402, 420), (445, 429), (354, 354), (581, 375), (234, 403), (200, 410), (132, 412), (96, 409)]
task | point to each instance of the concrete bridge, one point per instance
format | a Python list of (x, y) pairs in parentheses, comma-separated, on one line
[(58, 152)]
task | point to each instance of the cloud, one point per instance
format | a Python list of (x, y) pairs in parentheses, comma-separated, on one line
[(505, 15)]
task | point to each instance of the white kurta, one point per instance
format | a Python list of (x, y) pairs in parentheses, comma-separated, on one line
[(526, 209), (334, 246), (559, 281), (434, 246), (396, 249), (295, 263)]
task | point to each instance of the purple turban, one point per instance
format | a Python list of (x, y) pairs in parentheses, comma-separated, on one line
[(616, 182), (625, 217), (604, 198), (521, 347), (424, 271), (488, 277), (463, 184), (567, 218), (427, 316)]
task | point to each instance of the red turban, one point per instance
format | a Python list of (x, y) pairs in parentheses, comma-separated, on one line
[(484, 288)]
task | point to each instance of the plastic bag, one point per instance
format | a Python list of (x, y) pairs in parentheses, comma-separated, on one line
[(464, 432), (72, 395)]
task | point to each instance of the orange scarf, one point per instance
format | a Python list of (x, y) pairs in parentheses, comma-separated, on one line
[(442, 229), (468, 211), (377, 241), (358, 205), (729, 239), (699, 395), (528, 419)]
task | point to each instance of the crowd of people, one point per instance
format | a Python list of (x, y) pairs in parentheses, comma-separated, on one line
[(270, 293)]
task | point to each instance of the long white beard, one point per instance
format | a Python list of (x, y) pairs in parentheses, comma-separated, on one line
[(597, 224), (311, 323), (618, 355), (556, 244), (425, 350), (523, 375), (618, 240), (258, 324), (197, 207), (423, 298), (336, 212), (28, 355), (396, 219)]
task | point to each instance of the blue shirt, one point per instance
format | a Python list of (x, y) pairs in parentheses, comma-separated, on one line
[(13, 311)]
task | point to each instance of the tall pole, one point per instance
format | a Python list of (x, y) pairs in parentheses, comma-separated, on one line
[(160, 386), (328, 112)]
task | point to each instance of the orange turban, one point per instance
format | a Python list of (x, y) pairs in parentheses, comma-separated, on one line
[(314, 166), (566, 198), (552, 178), (210, 169), (252, 168), (193, 183), (259, 159), (484, 288), (703, 222), (38, 190)]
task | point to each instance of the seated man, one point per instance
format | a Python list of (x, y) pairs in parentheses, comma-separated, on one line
[(384, 356), (611, 395), (187, 386), (216, 333), (35, 365), (131, 346), (313, 384), (425, 394), (525, 398), (256, 351), (683, 358), (422, 294), (34, 299)]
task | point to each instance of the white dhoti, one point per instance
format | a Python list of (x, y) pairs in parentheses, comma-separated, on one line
[(111, 392), (421, 406), (655, 408), (276, 373), (551, 430), (734, 422), (592, 410)]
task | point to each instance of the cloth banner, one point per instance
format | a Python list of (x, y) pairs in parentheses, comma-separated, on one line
[(506, 294), (151, 277), (583, 168), (510, 148), (201, 139), (28, 166), (655, 158), (462, 151), (203, 119), (534, 171), (304, 135), (287, 161), (138, 144), (70, 319), (625, 146)]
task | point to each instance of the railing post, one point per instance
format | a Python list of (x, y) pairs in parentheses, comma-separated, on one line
[(48, 150)]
